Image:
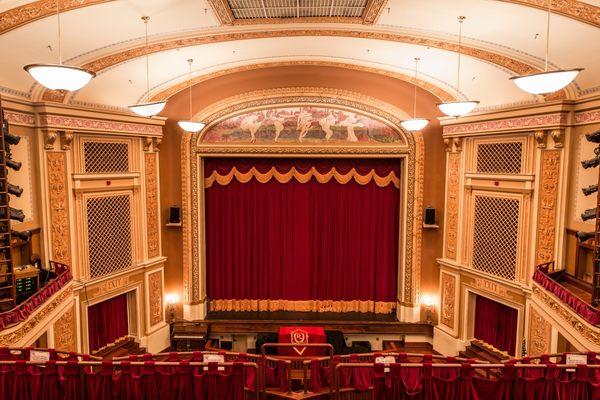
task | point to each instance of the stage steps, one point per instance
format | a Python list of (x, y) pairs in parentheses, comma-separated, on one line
[(483, 351), (124, 347)]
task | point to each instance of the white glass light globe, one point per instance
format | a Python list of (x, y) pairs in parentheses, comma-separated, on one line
[(59, 77), (415, 124), (191, 126), (148, 109), (457, 108), (546, 82)]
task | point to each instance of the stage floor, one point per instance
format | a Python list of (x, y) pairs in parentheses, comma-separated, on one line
[(357, 323)]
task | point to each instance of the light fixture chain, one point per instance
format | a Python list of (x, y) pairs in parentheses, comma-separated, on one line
[(460, 22), (190, 86), (58, 27), (147, 62), (547, 36), (416, 80)]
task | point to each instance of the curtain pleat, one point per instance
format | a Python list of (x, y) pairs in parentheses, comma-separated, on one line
[(107, 321)]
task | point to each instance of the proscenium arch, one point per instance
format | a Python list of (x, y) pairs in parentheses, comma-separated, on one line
[(411, 153)]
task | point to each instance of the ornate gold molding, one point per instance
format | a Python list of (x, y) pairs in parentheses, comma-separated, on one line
[(65, 331), (435, 90), (411, 149), (155, 297), (548, 195), (452, 201), (362, 306), (591, 335), (27, 13), (152, 229), (59, 207), (448, 290), (13, 338), (574, 9), (540, 333), (516, 66), (533, 122)]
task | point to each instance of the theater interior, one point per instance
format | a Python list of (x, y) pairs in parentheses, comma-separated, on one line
[(299, 199)]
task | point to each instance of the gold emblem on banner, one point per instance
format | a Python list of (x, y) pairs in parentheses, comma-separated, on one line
[(299, 336)]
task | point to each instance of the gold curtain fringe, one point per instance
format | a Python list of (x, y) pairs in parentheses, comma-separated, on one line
[(363, 306), (284, 177)]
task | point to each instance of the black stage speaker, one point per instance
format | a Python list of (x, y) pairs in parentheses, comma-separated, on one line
[(429, 215), (175, 215)]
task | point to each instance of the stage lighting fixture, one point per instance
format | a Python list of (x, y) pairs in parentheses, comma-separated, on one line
[(593, 137), (591, 163), (589, 190), (583, 236), (588, 214), (15, 213), (23, 235)]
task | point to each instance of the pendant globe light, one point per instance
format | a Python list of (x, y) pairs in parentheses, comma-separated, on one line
[(148, 109), (189, 125), (415, 124), (547, 81), (59, 76), (458, 108)]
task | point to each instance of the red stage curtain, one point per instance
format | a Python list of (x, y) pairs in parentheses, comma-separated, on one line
[(496, 324), (107, 321), (302, 241)]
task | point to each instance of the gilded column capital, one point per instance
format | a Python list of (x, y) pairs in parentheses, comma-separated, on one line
[(147, 143), (157, 143), (50, 136), (457, 144), (67, 140), (448, 144), (558, 136), (540, 138)]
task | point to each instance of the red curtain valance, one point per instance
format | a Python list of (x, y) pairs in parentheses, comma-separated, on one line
[(223, 171), (317, 247)]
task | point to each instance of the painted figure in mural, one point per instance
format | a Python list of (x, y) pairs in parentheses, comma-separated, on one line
[(305, 120), (277, 120), (252, 123), (351, 122), (326, 123)]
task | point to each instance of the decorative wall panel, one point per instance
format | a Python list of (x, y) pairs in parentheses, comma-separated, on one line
[(495, 236), (156, 296), (109, 234), (452, 202), (59, 208), (548, 194), (65, 333), (152, 217), (540, 334), (448, 300)]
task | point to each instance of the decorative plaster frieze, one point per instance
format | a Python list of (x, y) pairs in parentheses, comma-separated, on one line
[(77, 123), (547, 208), (588, 333), (19, 118), (587, 117), (509, 124), (540, 334), (448, 292), (59, 209), (152, 200)]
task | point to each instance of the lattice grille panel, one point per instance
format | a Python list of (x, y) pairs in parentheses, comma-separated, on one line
[(104, 157), (252, 9), (495, 236), (109, 234), (500, 158)]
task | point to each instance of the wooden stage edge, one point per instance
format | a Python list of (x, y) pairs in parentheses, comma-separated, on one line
[(348, 324)]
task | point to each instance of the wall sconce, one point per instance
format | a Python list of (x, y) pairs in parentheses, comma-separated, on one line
[(172, 299), (428, 301)]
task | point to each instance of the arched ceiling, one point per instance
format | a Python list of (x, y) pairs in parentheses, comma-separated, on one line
[(502, 38)]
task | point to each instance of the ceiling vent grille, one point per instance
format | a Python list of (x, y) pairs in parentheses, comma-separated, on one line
[(259, 9)]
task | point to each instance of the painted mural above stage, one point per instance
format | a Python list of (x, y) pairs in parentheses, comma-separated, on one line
[(301, 124)]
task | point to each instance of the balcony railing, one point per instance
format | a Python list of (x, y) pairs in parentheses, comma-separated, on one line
[(22, 311), (581, 307)]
